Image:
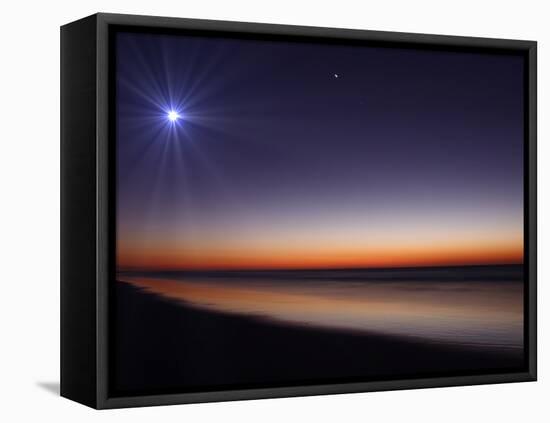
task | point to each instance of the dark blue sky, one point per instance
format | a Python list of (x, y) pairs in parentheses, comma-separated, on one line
[(287, 148)]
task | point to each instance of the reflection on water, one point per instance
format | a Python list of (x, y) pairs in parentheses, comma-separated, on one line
[(480, 306)]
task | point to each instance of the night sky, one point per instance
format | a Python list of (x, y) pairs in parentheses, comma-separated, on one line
[(296, 155)]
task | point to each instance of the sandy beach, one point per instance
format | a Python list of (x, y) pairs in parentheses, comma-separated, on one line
[(162, 346)]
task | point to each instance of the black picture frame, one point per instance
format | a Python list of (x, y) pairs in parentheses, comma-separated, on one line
[(87, 233)]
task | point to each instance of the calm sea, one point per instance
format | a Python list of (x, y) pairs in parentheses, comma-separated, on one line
[(480, 306)]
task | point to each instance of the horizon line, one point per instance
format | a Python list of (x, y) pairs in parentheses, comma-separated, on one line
[(297, 269)]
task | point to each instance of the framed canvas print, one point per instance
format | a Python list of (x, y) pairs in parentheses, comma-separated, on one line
[(254, 211)]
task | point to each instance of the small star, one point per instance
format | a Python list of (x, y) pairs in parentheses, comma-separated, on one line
[(336, 76)]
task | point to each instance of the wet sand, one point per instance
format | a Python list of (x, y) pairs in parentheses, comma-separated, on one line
[(160, 346)]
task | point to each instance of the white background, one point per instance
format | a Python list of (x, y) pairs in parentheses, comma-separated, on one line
[(29, 178)]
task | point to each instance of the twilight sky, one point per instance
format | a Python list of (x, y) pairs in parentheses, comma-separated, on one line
[(298, 155)]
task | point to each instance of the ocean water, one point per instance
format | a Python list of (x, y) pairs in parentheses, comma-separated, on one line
[(477, 306)]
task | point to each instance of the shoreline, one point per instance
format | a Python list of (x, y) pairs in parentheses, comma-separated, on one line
[(161, 346)]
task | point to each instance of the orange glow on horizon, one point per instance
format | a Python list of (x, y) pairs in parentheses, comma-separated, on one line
[(299, 257)]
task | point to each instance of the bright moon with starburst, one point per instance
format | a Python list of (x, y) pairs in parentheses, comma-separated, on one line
[(173, 116)]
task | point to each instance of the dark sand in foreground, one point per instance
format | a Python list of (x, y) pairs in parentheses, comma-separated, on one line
[(160, 347)]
